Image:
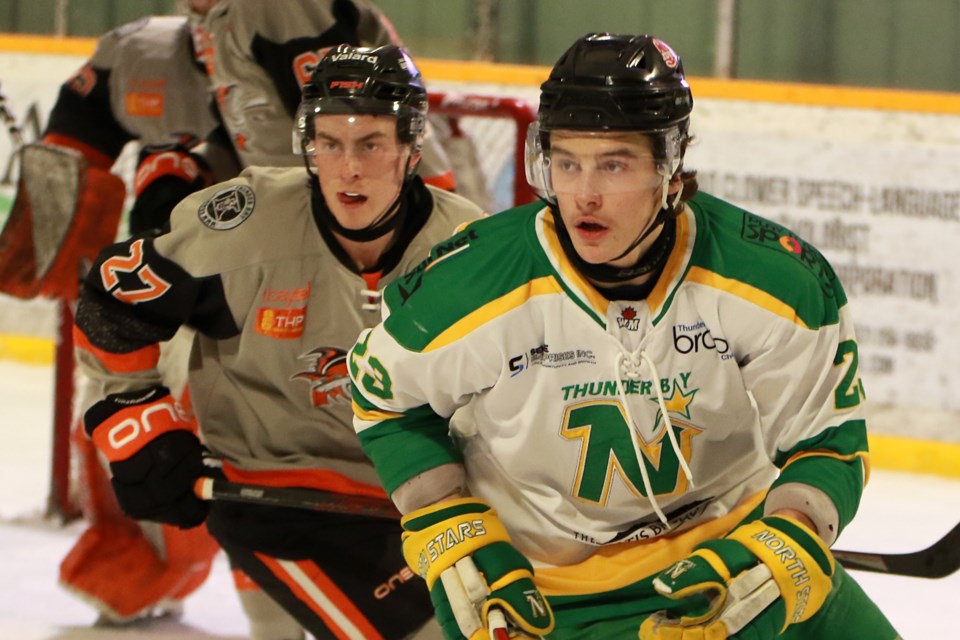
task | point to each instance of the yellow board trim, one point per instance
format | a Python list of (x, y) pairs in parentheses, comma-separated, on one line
[(533, 75), (49, 45), (895, 453), (27, 349)]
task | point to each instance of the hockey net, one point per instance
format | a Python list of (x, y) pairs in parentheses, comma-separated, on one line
[(483, 136)]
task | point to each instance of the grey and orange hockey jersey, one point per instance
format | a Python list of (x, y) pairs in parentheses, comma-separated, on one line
[(275, 310), (260, 54), (612, 436), (142, 83)]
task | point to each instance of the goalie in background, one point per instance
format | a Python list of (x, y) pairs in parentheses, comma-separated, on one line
[(278, 271), (665, 426), (142, 84)]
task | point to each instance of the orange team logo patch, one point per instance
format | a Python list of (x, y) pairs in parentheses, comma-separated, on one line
[(144, 104), (329, 379), (83, 81), (285, 324)]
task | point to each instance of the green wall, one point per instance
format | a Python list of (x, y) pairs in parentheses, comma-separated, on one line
[(883, 43)]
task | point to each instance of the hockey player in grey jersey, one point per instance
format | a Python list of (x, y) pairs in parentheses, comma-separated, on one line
[(666, 426), (278, 271)]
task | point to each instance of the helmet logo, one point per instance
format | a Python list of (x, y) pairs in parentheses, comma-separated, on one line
[(355, 85), (670, 57), (350, 55)]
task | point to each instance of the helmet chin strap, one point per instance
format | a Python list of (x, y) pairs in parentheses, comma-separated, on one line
[(651, 260)]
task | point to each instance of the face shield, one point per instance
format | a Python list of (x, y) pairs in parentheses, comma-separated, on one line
[(601, 162), (408, 124)]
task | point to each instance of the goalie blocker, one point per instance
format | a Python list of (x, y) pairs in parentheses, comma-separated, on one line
[(65, 211)]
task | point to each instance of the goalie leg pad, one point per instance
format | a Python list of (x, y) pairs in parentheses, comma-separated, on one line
[(116, 569)]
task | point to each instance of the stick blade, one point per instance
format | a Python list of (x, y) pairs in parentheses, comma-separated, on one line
[(937, 561)]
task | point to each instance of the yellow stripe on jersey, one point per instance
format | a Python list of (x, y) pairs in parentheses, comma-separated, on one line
[(495, 308), (747, 292), (675, 264), (617, 566), (375, 415), (825, 453), (570, 273)]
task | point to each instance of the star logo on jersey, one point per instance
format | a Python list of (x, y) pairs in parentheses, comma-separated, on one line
[(678, 402), (328, 376)]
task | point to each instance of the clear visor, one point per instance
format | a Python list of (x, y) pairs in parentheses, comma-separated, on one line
[(323, 115), (599, 162)]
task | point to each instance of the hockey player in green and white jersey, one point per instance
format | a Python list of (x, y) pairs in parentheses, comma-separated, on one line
[(634, 409), (278, 271)]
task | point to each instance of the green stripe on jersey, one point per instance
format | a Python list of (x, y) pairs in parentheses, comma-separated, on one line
[(839, 472), (744, 247), (404, 447), (490, 258)]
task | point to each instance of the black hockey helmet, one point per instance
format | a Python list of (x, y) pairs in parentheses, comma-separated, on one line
[(364, 81), (616, 83), (607, 82)]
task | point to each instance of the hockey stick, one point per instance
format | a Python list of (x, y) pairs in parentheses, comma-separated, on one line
[(297, 498), (939, 560)]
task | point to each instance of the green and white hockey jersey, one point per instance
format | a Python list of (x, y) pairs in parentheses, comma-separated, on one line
[(744, 350)]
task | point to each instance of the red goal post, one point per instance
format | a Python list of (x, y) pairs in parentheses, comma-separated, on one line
[(491, 121)]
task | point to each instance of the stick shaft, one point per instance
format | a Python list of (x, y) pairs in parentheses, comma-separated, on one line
[(297, 498), (937, 561)]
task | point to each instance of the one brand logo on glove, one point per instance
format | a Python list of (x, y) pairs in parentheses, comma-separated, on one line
[(228, 208)]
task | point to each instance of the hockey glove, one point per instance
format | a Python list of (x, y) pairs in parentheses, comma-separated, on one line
[(760, 579), (153, 453), (475, 575), (162, 180)]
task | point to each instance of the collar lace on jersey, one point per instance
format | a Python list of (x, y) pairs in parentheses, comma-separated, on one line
[(628, 364)]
